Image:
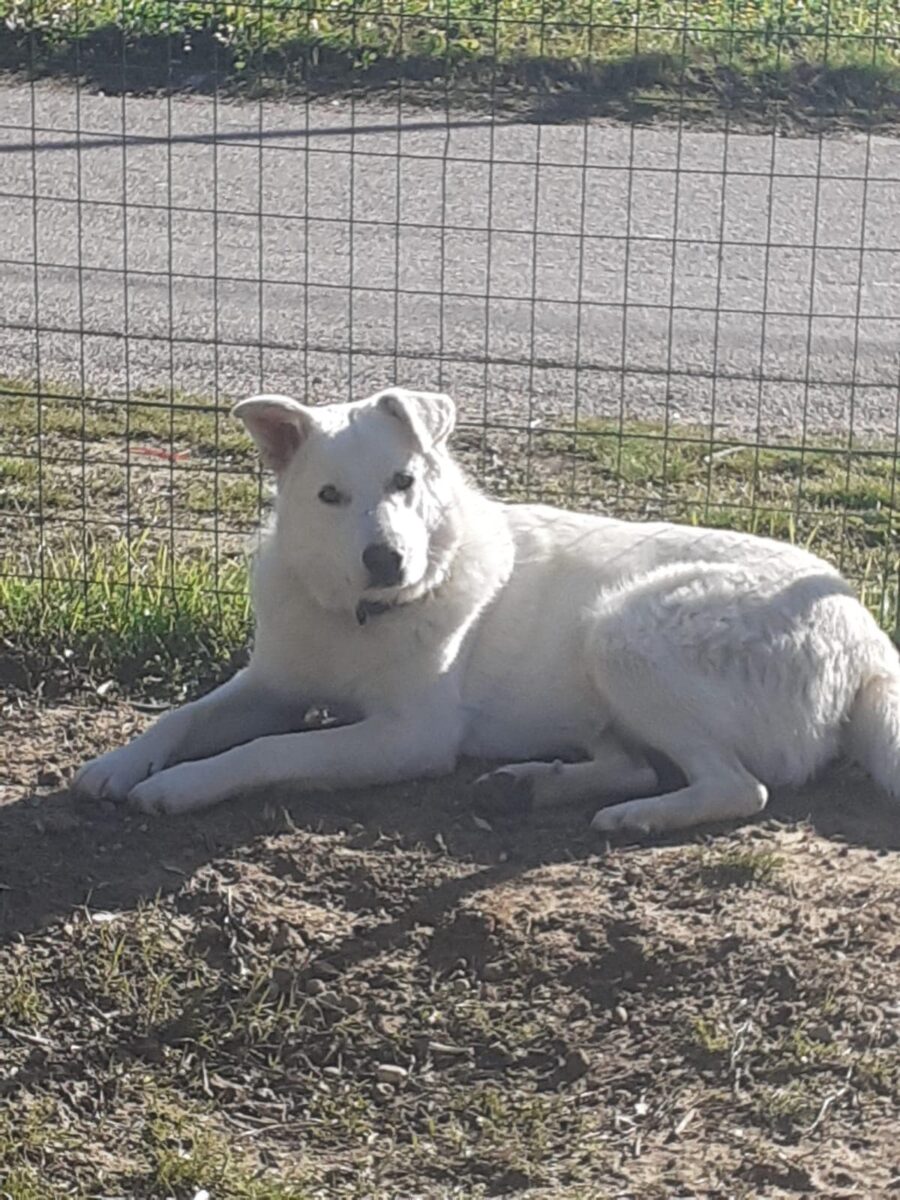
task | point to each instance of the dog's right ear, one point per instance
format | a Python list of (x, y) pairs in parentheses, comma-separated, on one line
[(277, 424)]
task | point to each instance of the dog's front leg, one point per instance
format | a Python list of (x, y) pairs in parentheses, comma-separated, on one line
[(236, 712), (376, 750)]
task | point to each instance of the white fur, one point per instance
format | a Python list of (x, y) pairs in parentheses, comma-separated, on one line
[(516, 633)]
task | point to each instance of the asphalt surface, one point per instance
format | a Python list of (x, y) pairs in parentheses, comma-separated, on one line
[(223, 248)]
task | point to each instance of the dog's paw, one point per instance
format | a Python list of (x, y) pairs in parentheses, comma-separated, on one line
[(112, 776), (180, 789), (632, 817)]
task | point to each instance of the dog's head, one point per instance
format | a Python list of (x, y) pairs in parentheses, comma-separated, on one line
[(365, 492)]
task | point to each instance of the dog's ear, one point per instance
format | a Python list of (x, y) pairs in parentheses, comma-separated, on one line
[(277, 424), (429, 416)]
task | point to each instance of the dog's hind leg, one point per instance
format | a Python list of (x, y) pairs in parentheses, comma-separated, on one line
[(664, 694), (720, 790), (610, 771)]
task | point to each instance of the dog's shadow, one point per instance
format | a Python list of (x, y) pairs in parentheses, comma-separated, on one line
[(60, 855)]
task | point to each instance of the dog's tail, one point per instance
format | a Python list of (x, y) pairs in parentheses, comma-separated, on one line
[(873, 729)]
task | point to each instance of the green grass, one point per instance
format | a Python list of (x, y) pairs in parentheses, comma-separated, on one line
[(709, 1037), (739, 866), (187, 421), (851, 42), (184, 1155), (172, 1149), (134, 614), (21, 483)]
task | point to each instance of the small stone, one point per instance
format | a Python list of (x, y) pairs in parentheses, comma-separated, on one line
[(621, 1014), (445, 1050), (49, 778), (392, 1074), (493, 972), (315, 987)]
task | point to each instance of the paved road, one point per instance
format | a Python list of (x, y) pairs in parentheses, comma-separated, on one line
[(722, 275)]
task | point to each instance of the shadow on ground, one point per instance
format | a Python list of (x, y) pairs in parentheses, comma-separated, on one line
[(643, 88), (61, 854)]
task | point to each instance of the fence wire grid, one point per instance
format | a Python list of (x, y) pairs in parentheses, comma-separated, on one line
[(645, 297)]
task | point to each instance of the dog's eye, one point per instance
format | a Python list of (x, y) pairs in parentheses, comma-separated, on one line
[(329, 494), (402, 482)]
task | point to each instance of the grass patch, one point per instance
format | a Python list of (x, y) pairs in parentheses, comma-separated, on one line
[(186, 1155), (26, 1141), (510, 1136), (841, 54), (178, 420), (739, 866), (783, 1065), (23, 488), (239, 501), (709, 1037), (128, 613), (174, 1150), (786, 1108), (22, 1003)]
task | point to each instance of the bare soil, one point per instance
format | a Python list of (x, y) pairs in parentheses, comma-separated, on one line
[(382, 994)]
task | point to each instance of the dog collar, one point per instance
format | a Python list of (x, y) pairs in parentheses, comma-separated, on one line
[(371, 608)]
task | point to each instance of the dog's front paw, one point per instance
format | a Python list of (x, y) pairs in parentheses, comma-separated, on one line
[(112, 776), (178, 790)]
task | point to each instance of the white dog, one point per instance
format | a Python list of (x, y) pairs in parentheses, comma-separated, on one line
[(447, 624)]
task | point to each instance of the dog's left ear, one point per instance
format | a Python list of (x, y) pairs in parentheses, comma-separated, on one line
[(429, 416)]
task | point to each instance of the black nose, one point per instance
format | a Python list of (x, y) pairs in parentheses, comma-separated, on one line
[(384, 564)]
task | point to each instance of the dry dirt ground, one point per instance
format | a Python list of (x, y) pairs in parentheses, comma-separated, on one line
[(385, 995)]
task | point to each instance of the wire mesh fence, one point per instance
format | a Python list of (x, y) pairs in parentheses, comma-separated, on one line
[(652, 250)]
